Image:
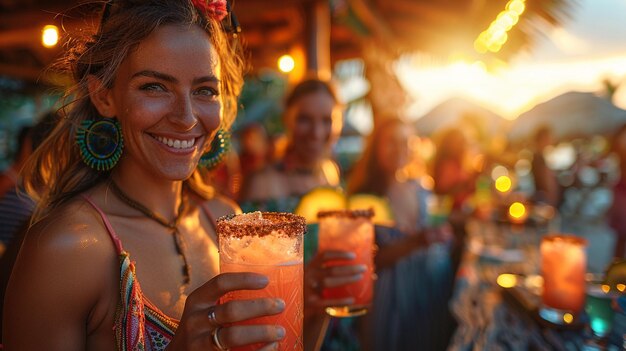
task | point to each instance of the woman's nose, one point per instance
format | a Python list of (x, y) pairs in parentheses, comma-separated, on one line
[(319, 131), (184, 113)]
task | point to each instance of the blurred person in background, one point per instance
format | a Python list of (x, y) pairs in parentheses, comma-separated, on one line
[(313, 121), (255, 152), (454, 178), (413, 264), (546, 185), (9, 178), (455, 182), (255, 148), (617, 212), (15, 205)]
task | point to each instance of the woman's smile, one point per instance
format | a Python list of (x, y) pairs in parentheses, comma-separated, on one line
[(177, 144)]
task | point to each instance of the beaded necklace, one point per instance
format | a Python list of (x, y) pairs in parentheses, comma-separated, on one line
[(172, 225)]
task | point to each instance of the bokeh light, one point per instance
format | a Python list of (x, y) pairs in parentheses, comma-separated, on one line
[(503, 184), (286, 63), (496, 35), (517, 210), (50, 36), (499, 171), (568, 318), (507, 280)]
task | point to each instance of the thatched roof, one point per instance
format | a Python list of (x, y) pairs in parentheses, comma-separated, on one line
[(272, 28)]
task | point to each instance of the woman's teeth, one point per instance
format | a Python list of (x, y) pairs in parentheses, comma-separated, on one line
[(175, 143)]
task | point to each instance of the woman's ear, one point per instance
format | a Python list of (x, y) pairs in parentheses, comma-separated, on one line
[(101, 97)]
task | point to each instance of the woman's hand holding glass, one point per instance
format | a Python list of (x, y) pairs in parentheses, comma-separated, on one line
[(205, 325), (319, 275)]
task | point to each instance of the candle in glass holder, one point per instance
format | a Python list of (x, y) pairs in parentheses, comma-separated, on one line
[(270, 244), (563, 266)]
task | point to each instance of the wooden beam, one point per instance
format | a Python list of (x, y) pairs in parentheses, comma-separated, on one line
[(317, 39)]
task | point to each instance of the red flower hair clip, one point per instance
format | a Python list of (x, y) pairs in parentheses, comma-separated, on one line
[(215, 9)]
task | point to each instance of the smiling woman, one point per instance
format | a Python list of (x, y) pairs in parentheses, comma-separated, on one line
[(164, 103), (117, 177)]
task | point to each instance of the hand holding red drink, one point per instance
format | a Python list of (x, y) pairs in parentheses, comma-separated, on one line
[(269, 244), (352, 231), (220, 331)]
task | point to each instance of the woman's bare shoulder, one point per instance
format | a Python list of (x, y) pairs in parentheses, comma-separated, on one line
[(71, 239), (64, 274), (74, 225)]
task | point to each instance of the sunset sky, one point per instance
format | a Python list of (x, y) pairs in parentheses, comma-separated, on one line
[(588, 48)]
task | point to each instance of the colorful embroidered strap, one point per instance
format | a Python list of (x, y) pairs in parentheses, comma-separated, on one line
[(130, 318), (139, 324)]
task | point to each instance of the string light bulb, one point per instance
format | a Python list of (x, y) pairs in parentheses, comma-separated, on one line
[(50, 36), (286, 63)]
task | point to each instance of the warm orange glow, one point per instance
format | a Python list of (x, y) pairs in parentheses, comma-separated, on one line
[(427, 182), (517, 210), (478, 163), (605, 288), (621, 287), (50, 36), (286, 63), (503, 184)]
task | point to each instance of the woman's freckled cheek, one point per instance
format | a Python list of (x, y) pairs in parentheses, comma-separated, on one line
[(210, 117)]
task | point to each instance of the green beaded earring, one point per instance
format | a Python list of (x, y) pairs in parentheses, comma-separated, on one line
[(219, 146), (100, 143)]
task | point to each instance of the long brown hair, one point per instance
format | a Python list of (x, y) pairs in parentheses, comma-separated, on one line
[(56, 172), (367, 176)]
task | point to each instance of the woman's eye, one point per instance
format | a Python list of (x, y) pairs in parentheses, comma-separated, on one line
[(206, 91), (152, 87)]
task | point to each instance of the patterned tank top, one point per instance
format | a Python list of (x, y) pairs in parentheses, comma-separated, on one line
[(139, 324)]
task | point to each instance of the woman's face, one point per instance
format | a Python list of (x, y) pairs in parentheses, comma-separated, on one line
[(166, 96), (392, 149), (314, 121)]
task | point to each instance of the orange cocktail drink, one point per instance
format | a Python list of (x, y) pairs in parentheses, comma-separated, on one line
[(269, 244), (349, 230), (563, 267)]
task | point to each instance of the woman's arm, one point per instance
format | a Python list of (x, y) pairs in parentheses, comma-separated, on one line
[(61, 273), (388, 255)]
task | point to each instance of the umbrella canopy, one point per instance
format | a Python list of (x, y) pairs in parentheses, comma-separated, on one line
[(569, 115), (460, 113)]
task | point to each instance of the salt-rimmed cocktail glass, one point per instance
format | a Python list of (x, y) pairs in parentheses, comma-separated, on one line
[(349, 230), (270, 244)]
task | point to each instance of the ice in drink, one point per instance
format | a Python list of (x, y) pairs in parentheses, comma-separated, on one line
[(270, 244)]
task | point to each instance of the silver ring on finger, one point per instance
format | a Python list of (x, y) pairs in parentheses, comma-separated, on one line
[(211, 316), (215, 335)]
